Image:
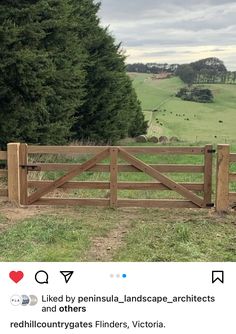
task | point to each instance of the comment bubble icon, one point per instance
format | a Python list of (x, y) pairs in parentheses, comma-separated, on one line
[(41, 277)]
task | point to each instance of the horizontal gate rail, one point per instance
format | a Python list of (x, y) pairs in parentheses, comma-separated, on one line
[(3, 174), (74, 201), (232, 157), (3, 155), (105, 168), (120, 185), (232, 177), (152, 203), (130, 149)]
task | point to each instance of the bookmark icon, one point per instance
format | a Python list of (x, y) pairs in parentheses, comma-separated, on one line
[(218, 276)]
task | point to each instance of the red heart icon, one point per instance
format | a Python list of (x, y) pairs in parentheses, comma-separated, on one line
[(16, 276)]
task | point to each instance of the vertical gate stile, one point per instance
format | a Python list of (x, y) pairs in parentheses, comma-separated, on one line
[(208, 166), (13, 173), (113, 176), (23, 160), (222, 178)]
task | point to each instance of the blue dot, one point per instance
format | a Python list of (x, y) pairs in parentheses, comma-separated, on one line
[(124, 275)]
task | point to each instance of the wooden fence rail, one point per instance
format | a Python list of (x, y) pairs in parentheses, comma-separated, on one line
[(3, 173), (22, 190)]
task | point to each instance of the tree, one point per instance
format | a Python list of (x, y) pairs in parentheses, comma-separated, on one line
[(110, 106), (41, 75), (196, 94), (61, 75), (210, 70), (186, 74), (209, 64)]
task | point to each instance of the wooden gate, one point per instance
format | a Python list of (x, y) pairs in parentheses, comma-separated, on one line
[(130, 163)]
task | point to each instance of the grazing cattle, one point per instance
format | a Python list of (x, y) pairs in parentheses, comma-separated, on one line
[(221, 122)]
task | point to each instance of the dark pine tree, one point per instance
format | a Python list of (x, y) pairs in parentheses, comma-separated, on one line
[(41, 78), (111, 106), (61, 72)]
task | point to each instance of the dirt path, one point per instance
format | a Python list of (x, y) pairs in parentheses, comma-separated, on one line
[(103, 248), (13, 215)]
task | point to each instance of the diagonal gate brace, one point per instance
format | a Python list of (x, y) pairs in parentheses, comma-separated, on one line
[(72, 173), (162, 178)]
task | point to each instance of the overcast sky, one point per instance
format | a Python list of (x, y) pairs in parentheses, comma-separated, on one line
[(173, 31)]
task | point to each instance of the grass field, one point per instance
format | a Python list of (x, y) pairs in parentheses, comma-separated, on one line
[(85, 234), (203, 124)]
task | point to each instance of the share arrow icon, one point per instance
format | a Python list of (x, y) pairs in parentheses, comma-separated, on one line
[(67, 275)]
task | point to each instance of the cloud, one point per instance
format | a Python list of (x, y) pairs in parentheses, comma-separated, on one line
[(153, 28), (165, 53), (218, 50)]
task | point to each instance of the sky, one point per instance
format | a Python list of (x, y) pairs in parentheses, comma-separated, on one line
[(173, 31)]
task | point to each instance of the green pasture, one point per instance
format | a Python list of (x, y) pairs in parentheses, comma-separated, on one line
[(189, 121)]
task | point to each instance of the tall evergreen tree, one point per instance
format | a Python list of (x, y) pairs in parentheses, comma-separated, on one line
[(41, 74), (60, 71), (111, 105)]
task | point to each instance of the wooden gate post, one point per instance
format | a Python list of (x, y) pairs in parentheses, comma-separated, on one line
[(113, 176), (23, 160), (208, 160), (222, 178), (13, 151)]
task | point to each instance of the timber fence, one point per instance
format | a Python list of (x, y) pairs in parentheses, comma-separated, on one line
[(16, 166)]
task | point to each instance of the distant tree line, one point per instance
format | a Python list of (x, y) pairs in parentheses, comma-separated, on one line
[(206, 71), (153, 68), (62, 76)]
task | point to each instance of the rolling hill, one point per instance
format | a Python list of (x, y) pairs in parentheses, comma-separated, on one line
[(189, 121)]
